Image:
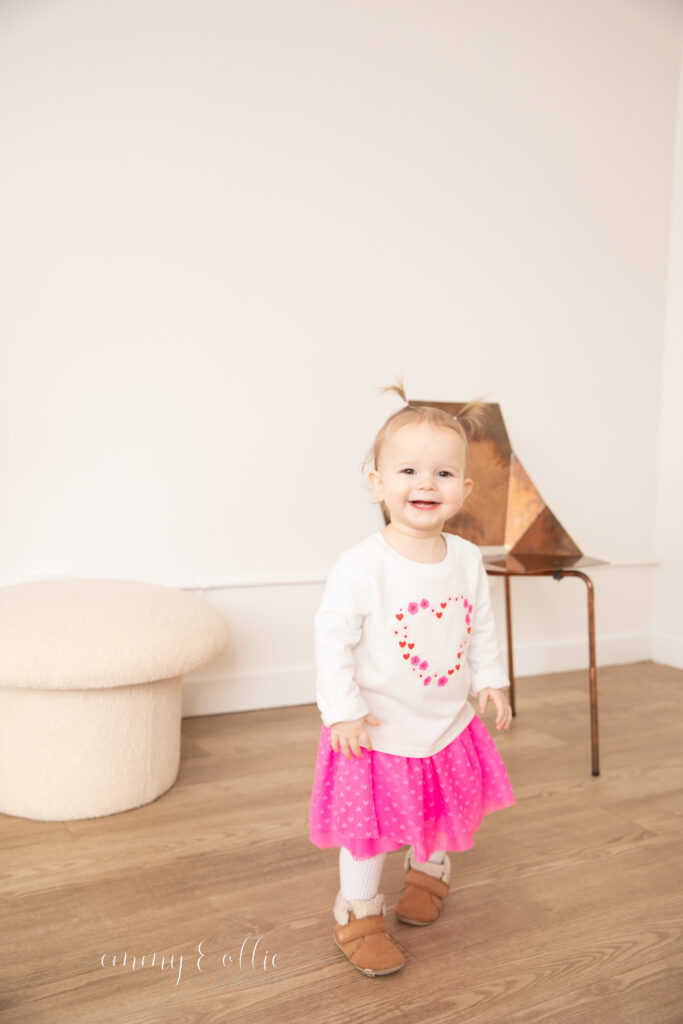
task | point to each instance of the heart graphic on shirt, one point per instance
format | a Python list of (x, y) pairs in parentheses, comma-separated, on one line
[(454, 614)]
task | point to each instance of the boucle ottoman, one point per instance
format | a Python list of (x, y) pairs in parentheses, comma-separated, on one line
[(90, 692)]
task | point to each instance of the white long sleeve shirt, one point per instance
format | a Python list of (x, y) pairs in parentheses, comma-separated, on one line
[(407, 642)]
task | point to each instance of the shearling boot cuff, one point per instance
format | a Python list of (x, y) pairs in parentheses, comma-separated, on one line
[(360, 908), (440, 871)]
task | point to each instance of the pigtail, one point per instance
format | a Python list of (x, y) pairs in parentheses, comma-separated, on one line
[(472, 417), (396, 389)]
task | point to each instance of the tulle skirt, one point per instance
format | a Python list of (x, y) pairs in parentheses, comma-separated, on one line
[(379, 802)]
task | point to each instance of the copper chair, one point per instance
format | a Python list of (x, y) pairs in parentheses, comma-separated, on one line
[(505, 509)]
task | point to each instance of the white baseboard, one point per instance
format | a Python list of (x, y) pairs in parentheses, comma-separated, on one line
[(667, 649), (565, 655), (249, 691)]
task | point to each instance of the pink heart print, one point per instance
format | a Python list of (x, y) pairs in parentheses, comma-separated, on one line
[(420, 661)]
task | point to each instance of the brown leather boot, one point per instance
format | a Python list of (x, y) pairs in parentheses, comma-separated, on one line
[(361, 935), (425, 889)]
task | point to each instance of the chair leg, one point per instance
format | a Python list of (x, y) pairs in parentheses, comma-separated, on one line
[(508, 623), (593, 681), (592, 669), (559, 574)]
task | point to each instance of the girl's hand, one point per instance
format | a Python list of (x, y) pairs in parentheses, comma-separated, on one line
[(349, 737), (500, 701)]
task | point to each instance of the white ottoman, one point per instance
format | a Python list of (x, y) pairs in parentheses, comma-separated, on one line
[(90, 692)]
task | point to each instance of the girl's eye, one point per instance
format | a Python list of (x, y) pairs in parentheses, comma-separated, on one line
[(408, 470), (444, 472)]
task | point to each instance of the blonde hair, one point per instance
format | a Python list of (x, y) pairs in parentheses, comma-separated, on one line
[(465, 424)]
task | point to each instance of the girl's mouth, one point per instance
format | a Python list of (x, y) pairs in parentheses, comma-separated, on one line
[(425, 504)]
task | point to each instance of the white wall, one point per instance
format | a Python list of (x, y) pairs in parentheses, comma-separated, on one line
[(668, 579), (226, 223)]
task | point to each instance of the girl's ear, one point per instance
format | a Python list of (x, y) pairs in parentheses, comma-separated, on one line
[(467, 489), (375, 482)]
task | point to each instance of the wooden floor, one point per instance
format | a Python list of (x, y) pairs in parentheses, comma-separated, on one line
[(568, 910)]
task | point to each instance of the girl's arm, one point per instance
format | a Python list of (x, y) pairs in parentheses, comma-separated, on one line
[(489, 679), (338, 630)]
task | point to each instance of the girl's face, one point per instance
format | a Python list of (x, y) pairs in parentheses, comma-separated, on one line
[(421, 477)]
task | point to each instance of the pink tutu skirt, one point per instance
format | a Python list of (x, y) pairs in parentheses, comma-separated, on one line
[(378, 802)]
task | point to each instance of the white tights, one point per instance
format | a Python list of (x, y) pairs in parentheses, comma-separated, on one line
[(359, 879)]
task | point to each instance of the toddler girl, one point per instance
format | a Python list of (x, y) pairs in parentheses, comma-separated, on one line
[(404, 634)]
